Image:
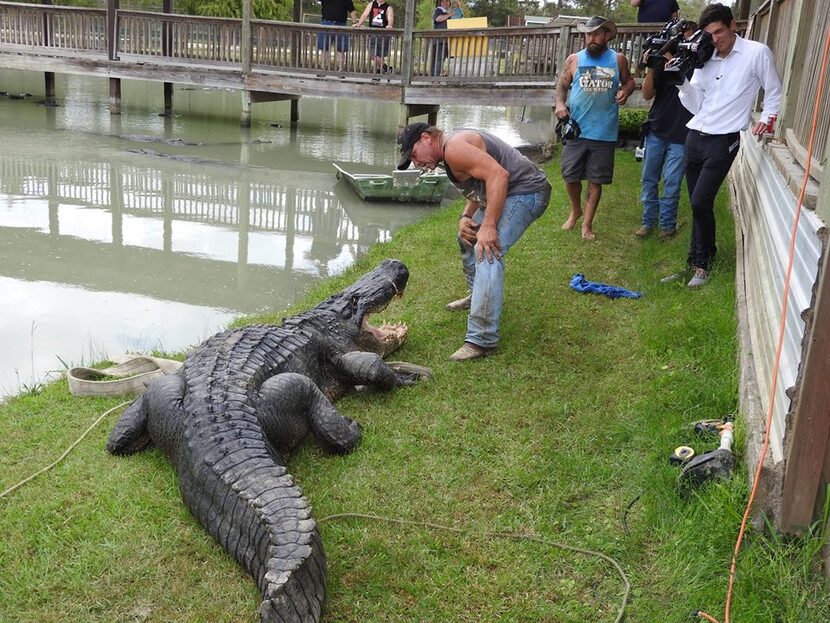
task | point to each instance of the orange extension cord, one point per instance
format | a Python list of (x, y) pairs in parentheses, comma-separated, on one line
[(778, 350)]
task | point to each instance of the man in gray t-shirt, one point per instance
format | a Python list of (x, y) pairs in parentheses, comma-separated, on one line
[(505, 193)]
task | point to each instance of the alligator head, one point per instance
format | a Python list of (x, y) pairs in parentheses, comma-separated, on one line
[(351, 308)]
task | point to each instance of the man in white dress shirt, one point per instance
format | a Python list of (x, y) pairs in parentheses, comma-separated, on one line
[(721, 96)]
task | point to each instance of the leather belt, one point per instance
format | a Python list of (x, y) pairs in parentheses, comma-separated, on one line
[(708, 134)]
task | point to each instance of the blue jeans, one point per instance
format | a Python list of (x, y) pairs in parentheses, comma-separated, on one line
[(486, 279), (325, 41), (666, 160)]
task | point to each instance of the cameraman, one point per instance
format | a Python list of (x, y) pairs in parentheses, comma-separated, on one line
[(720, 96), (665, 145)]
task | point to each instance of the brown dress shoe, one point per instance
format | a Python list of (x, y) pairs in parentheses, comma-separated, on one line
[(471, 351), (460, 304)]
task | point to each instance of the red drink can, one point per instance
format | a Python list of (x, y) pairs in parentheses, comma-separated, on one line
[(771, 124)]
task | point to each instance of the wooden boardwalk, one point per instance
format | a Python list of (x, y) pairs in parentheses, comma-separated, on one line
[(493, 66)]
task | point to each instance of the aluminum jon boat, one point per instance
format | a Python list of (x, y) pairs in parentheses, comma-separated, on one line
[(410, 186)]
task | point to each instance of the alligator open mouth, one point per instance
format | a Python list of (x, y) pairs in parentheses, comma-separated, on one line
[(383, 340)]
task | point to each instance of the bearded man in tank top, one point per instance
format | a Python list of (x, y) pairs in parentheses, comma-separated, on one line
[(599, 82), (505, 193)]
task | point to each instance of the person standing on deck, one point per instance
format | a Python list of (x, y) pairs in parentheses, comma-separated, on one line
[(335, 13), (379, 14)]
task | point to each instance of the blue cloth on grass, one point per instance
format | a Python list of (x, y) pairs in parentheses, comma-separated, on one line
[(580, 284)]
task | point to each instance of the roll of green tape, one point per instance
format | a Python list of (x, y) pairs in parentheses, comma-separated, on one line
[(680, 455)]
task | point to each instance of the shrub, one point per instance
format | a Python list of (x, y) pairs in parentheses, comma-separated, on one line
[(631, 119)]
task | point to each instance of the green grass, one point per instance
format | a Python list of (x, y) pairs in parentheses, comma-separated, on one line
[(554, 436)]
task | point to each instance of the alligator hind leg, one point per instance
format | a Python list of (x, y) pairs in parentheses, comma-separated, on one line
[(162, 399), (291, 404), (130, 432)]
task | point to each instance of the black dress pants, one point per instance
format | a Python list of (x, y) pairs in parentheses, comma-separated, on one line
[(708, 160)]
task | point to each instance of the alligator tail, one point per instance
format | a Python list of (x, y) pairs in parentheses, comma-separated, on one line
[(259, 516)]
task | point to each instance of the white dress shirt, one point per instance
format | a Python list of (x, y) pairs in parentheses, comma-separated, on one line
[(722, 93)]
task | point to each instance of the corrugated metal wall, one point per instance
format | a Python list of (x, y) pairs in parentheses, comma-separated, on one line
[(765, 209)]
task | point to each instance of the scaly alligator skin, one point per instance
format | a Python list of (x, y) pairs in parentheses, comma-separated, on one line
[(241, 402)]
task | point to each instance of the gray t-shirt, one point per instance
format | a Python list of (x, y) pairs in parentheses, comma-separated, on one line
[(525, 178)]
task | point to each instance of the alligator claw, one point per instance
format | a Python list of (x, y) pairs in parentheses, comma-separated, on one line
[(409, 373)]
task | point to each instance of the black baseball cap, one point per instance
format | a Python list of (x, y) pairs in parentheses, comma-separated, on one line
[(407, 139)]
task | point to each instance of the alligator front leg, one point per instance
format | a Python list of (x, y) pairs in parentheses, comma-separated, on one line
[(365, 368), (291, 404)]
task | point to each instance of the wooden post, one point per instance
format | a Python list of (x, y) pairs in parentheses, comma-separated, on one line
[(168, 99), (112, 30), (295, 113), (564, 48), (808, 444), (406, 59), (245, 52), (296, 45), (296, 37), (49, 87), (166, 38), (562, 53), (115, 96), (48, 76)]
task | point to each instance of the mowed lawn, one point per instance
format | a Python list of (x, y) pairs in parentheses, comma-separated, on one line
[(563, 434)]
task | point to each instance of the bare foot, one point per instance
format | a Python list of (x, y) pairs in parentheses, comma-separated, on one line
[(587, 234), (573, 217)]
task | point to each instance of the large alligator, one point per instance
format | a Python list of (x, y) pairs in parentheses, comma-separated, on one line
[(227, 419)]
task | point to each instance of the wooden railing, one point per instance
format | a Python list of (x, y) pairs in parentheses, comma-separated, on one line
[(62, 28), (179, 37), (488, 55), (510, 58), (515, 54), (328, 49)]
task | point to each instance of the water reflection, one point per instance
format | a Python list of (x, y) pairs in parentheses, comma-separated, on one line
[(144, 251), (137, 232), (241, 243)]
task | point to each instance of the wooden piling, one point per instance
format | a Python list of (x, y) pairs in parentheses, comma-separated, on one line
[(115, 96), (49, 88)]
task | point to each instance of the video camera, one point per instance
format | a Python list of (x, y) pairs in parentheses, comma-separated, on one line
[(690, 54), (567, 129), (666, 40)]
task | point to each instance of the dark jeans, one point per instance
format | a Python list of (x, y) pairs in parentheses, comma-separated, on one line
[(708, 160)]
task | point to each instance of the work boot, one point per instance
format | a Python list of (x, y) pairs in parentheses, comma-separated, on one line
[(460, 304), (642, 233), (666, 234), (471, 351)]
